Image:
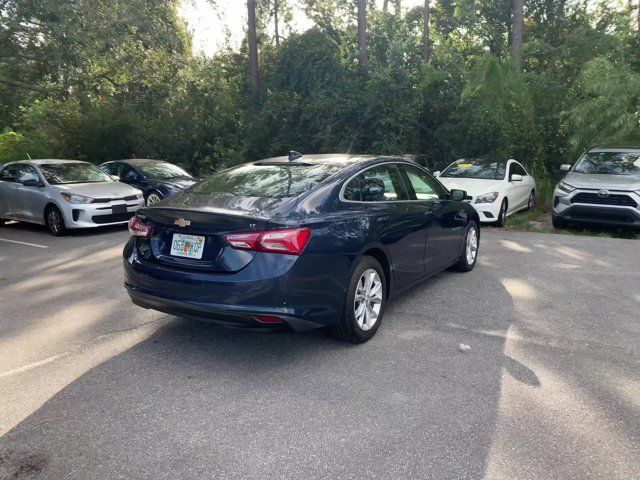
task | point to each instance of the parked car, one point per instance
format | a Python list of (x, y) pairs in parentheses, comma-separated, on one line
[(496, 189), (603, 187), (300, 243), (157, 179), (64, 194)]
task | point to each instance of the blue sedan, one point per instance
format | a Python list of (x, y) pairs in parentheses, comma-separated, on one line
[(299, 242), (156, 178)]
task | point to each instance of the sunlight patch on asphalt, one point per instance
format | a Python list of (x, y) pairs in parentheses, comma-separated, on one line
[(519, 289), (515, 246)]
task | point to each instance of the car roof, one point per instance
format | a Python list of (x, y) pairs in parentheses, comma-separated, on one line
[(138, 161), (339, 159), (613, 149), (45, 161)]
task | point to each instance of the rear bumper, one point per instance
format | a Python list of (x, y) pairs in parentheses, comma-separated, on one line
[(225, 315), (305, 292)]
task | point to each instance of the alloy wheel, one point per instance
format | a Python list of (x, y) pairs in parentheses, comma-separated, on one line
[(368, 299), (152, 199), (472, 245), (532, 201), (54, 221)]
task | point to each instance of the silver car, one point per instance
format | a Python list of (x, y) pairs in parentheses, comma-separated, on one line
[(64, 194), (603, 187)]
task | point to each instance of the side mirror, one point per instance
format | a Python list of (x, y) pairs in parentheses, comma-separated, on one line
[(458, 195), (32, 182), (516, 178), (565, 167), (373, 190), (436, 173)]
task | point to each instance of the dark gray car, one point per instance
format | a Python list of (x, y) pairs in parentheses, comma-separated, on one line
[(603, 187)]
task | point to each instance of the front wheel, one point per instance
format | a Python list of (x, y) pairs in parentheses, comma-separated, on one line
[(55, 221), (152, 199), (470, 252), (365, 302)]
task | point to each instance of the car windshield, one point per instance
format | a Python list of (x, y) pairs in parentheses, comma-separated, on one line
[(65, 173), (609, 163), (161, 171), (267, 180), (481, 169)]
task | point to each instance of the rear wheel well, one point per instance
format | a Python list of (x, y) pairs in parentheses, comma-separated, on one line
[(380, 256)]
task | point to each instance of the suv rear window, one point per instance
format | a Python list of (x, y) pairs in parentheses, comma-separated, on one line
[(267, 180)]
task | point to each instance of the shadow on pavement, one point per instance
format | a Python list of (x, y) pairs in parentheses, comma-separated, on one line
[(198, 401)]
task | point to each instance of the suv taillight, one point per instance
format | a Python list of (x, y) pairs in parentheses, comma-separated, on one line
[(290, 241), (137, 228)]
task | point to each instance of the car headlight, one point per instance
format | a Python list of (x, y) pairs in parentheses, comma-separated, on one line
[(565, 187), (487, 197), (139, 196), (73, 198)]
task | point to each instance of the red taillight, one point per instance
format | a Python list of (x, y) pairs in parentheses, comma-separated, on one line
[(138, 228), (268, 319), (290, 241)]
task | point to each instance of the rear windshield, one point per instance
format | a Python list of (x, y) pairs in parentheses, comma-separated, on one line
[(65, 173), (271, 181), (476, 168), (162, 171), (609, 163)]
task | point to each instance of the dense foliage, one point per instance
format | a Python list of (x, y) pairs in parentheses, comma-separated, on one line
[(104, 80)]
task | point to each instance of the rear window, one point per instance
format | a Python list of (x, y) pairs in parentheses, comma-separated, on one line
[(271, 181)]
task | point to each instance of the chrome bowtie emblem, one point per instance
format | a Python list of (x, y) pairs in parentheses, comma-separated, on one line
[(181, 222), (603, 193)]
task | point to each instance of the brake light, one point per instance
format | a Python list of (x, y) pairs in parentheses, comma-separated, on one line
[(290, 241), (268, 319), (137, 228)]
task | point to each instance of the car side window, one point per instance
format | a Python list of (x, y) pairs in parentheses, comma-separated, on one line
[(128, 173), (516, 168), (378, 184), (110, 169), (8, 173), (424, 186), (25, 173)]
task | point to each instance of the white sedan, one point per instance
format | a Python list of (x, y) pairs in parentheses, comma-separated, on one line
[(496, 189)]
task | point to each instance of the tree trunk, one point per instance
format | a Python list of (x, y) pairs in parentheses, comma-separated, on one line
[(516, 38), (254, 74), (426, 38), (276, 6), (362, 37), (385, 6)]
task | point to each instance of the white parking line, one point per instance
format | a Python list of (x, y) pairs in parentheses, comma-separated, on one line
[(23, 243), (33, 365)]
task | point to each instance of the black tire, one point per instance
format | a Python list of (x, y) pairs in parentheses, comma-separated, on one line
[(55, 221), (558, 222), (348, 328), (532, 200), (2, 220), (502, 216), (154, 195), (463, 264)]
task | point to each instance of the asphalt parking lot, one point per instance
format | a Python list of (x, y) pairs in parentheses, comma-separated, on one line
[(92, 387)]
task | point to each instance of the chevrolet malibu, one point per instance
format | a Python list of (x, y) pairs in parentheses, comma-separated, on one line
[(299, 242), (64, 194)]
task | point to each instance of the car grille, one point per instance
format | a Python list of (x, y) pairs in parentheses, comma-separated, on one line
[(107, 200), (118, 217), (613, 199)]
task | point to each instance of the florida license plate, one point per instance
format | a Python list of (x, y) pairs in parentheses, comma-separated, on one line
[(189, 246)]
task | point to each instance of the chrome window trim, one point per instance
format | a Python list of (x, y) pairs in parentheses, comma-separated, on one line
[(390, 162)]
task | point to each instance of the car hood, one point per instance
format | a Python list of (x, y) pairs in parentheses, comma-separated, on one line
[(473, 186), (598, 181), (99, 189)]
